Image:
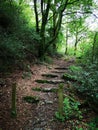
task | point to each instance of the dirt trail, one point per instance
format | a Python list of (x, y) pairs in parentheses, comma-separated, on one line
[(34, 116)]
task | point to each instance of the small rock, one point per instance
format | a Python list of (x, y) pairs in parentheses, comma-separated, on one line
[(41, 103), (2, 82), (38, 129), (43, 123), (48, 102)]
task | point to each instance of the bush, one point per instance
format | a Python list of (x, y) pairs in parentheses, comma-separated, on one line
[(18, 39), (89, 84), (70, 110)]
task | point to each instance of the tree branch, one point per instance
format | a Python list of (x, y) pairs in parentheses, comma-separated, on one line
[(72, 2), (75, 12), (95, 15)]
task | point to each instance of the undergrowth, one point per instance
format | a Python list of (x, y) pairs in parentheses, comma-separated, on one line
[(70, 110), (89, 83)]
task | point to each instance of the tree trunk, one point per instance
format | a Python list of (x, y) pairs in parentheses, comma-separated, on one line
[(43, 47), (66, 47), (57, 26), (54, 26), (75, 47), (93, 48), (36, 16), (43, 26)]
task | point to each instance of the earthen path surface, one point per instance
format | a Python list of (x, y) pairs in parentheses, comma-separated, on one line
[(40, 116)]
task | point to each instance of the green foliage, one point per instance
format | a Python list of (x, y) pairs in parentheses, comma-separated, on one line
[(60, 102), (69, 77), (74, 68), (86, 52), (93, 125), (59, 116), (89, 84), (70, 110), (71, 51), (17, 36), (89, 47), (48, 59), (37, 89), (79, 128), (11, 48)]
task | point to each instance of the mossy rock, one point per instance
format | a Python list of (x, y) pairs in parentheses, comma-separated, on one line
[(62, 68), (37, 89), (45, 89), (49, 90), (49, 81), (2, 82), (41, 81), (58, 72), (26, 75), (50, 75), (31, 99), (14, 114)]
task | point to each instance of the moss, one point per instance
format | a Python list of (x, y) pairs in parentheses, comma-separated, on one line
[(60, 99), (31, 99), (37, 89), (69, 77), (41, 81), (49, 81), (26, 75), (50, 90), (45, 89)]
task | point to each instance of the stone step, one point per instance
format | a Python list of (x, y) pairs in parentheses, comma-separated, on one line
[(61, 68), (31, 99), (58, 72), (50, 75), (49, 81), (45, 89)]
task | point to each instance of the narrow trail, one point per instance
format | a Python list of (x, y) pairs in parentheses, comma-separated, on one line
[(35, 116), (48, 105)]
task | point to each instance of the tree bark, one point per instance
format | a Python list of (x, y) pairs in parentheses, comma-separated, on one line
[(93, 48), (66, 47), (75, 47), (36, 16), (76, 42), (43, 26), (57, 25)]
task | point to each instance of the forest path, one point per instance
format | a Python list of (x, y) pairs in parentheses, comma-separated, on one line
[(48, 79), (38, 116)]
